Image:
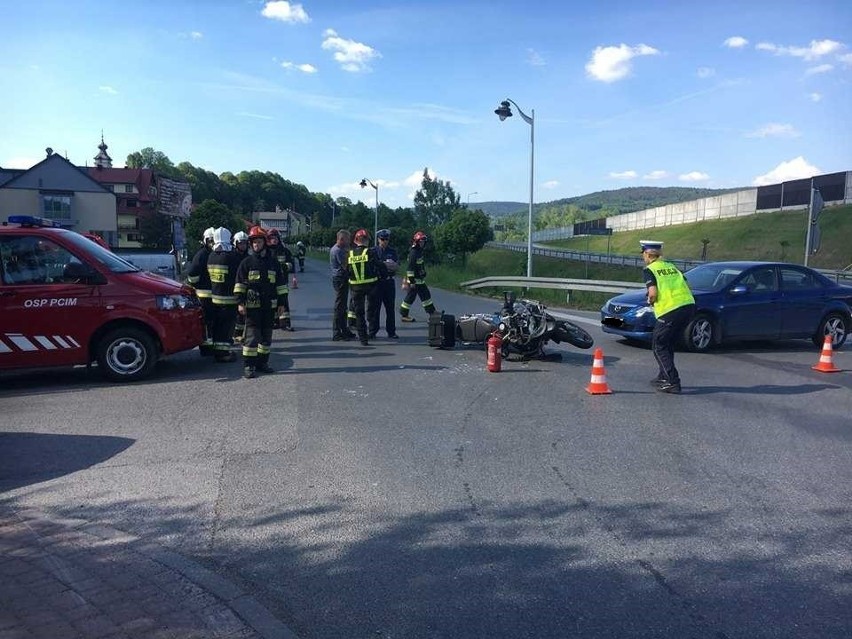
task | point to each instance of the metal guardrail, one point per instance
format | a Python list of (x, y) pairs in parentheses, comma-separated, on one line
[(601, 286)]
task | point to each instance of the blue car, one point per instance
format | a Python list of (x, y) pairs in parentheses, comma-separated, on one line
[(740, 301)]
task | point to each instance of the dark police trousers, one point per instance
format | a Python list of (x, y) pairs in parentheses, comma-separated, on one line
[(359, 294), (666, 333), (385, 297)]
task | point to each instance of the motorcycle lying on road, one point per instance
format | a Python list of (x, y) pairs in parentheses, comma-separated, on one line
[(524, 325)]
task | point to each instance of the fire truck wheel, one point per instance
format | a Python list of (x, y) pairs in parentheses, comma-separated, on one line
[(126, 354)]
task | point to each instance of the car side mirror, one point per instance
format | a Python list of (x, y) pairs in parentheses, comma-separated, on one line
[(79, 273), (739, 289)]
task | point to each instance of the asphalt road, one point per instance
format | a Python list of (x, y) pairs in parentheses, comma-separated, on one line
[(397, 491)]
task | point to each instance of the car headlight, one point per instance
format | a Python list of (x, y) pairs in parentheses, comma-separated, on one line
[(642, 310), (175, 302)]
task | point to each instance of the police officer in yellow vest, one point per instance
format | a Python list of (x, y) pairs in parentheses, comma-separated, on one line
[(364, 269), (674, 306)]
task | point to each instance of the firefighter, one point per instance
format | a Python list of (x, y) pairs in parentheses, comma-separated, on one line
[(300, 255), (222, 268), (241, 242), (364, 270), (386, 293), (199, 279), (285, 259), (415, 279), (259, 290)]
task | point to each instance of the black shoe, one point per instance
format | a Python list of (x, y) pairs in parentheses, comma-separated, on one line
[(393, 336), (407, 318), (372, 335), (337, 338), (657, 381), (248, 372), (348, 335), (668, 387), (289, 328), (364, 342), (265, 368)]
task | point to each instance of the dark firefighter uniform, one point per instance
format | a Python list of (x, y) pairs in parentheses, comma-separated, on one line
[(199, 279), (364, 270), (260, 288), (416, 275), (285, 259), (222, 267)]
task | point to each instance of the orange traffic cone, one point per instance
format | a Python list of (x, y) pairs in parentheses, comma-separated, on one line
[(825, 365), (598, 385), (294, 283)]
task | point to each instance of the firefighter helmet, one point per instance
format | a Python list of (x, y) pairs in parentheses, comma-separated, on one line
[(361, 234), (208, 234), (420, 235), (240, 236), (257, 232), (222, 239), (273, 232)]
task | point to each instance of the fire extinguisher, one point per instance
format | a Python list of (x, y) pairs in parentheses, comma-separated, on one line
[(495, 352)]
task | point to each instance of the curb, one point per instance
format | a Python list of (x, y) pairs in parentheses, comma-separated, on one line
[(241, 603)]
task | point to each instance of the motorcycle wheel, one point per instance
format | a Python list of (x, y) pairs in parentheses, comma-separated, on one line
[(573, 334)]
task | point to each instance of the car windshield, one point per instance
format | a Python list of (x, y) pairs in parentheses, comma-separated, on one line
[(109, 259), (712, 277)]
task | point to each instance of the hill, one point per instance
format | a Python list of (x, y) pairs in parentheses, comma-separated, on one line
[(775, 235), (613, 202)]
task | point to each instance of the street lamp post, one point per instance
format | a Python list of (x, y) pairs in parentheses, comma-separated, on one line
[(364, 183), (332, 212), (504, 111), (468, 197)]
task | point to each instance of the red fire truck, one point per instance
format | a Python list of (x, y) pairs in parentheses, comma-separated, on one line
[(65, 300)]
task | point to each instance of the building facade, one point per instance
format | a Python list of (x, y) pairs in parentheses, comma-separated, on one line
[(56, 189)]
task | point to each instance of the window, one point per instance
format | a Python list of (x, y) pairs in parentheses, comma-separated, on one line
[(111, 187), (33, 260), (128, 188), (762, 279), (796, 280), (56, 207)]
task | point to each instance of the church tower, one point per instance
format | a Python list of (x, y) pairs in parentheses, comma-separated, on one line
[(102, 159)]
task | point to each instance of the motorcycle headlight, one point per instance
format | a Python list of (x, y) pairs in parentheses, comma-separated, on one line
[(175, 302)]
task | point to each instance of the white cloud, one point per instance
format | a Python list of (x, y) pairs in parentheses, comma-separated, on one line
[(534, 58), (656, 175), (623, 175), (108, 90), (815, 50), (774, 130), (196, 35), (693, 176), (304, 68), (551, 184), (609, 64), (257, 116), (820, 68), (705, 72), (351, 55), (845, 59), (735, 42), (285, 12), (794, 169), (815, 97)]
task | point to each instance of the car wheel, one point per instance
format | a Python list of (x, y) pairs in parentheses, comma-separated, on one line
[(126, 354), (836, 325), (698, 335)]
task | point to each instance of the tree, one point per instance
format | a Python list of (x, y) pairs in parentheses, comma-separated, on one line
[(211, 213), (157, 161), (435, 201), (465, 233), (156, 231)]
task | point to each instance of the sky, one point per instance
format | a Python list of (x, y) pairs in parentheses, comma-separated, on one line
[(622, 93)]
